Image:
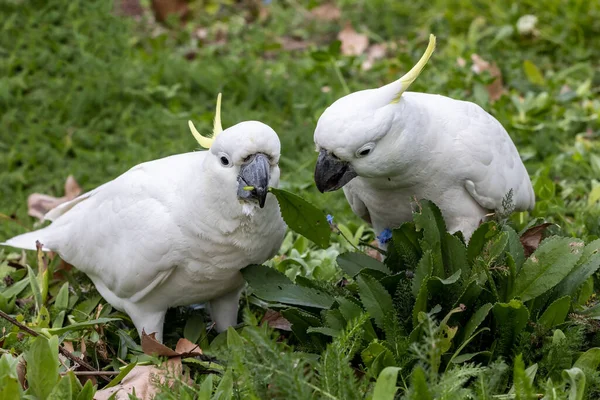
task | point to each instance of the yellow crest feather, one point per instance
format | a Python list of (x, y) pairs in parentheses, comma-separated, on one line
[(415, 71), (217, 128)]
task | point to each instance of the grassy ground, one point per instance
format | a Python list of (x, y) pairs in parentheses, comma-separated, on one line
[(87, 93)]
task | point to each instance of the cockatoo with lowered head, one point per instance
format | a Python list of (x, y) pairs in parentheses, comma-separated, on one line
[(386, 146), (177, 230)]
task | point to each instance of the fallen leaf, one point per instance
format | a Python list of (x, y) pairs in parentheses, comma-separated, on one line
[(140, 379), (129, 8), (375, 52), (163, 8), (496, 88), (291, 44), (326, 12), (461, 62), (353, 43), (532, 237), (39, 204), (275, 320), (184, 347)]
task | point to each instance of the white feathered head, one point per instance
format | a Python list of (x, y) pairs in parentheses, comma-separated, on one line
[(349, 130)]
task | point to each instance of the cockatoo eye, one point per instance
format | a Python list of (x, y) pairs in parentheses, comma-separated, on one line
[(224, 159), (365, 150)]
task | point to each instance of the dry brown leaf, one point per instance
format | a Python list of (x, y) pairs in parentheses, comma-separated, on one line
[(163, 8), (184, 347), (375, 52), (275, 320), (39, 204), (496, 88), (326, 12), (141, 379), (291, 44), (532, 237), (129, 8), (353, 43)]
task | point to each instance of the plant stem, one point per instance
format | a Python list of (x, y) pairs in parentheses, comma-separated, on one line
[(338, 72), (61, 349)]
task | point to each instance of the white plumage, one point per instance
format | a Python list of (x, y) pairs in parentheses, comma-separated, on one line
[(386, 146), (177, 230)]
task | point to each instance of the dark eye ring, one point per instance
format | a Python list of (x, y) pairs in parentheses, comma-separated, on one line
[(365, 152), (224, 161)]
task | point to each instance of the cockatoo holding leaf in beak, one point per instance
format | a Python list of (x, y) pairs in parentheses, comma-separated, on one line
[(386, 146), (177, 230)]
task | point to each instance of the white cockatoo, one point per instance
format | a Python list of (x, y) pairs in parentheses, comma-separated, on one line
[(387, 146), (177, 230)]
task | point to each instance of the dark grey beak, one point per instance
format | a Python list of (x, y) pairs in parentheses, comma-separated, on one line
[(332, 173), (256, 173)]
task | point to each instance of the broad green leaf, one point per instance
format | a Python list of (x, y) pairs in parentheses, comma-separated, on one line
[(406, 242), (271, 285), (206, 388), (7, 304), (62, 298), (385, 386), (68, 388), (194, 328), (469, 356), (15, 289), (419, 386), (455, 256), (353, 263), (585, 292), (533, 73), (372, 352), (81, 325), (42, 366), (323, 330), (576, 379), (225, 389), (556, 313), (515, 248), (510, 319), (547, 266), (302, 217), (87, 392), (10, 388), (587, 265), (376, 300), (590, 359), (423, 271), (476, 319), (234, 340), (122, 374)]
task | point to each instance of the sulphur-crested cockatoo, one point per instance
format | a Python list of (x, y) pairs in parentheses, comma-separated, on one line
[(177, 230), (386, 146)]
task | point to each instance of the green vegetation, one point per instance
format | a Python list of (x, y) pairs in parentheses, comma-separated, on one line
[(86, 92)]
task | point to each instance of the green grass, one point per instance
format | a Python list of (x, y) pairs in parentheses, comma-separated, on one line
[(87, 93)]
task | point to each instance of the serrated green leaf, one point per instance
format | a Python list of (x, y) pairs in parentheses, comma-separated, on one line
[(423, 271), (484, 233), (547, 266), (376, 300), (421, 302), (353, 263), (556, 313), (324, 331), (385, 386), (349, 309), (429, 220), (224, 390), (419, 385), (510, 319), (234, 340), (455, 256), (302, 217), (587, 265)]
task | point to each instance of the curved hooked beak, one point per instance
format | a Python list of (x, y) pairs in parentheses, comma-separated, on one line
[(332, 173), (256, 173)]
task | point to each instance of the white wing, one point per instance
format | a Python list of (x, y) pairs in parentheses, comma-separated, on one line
[(490, 162), (124, 232)]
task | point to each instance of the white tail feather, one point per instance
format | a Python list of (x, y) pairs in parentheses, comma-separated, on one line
[(27, 241)]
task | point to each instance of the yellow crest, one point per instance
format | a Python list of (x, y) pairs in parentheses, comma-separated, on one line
[(217, 128), (415, 71)]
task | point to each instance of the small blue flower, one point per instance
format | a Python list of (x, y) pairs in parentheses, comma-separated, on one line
[(330, 219), (385, 236)]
